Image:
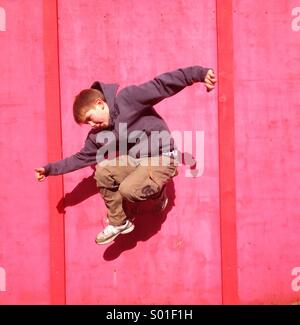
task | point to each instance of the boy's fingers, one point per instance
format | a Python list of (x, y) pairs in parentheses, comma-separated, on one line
[(40, 170), (40, 174), (207, 80), (209, 87), (211, 78)]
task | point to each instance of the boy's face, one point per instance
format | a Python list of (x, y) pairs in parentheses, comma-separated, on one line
[(98, 115)]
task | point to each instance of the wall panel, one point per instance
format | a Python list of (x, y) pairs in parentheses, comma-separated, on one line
[(173, 258), (24, 227), (267, 120)]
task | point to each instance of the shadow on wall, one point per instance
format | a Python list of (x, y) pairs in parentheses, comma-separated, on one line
[(148, 221), (82, 191), (146, 215)]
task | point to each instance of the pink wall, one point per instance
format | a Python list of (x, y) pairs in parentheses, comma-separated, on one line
[(250, 126), (163, 261), (267, 115), (24, 229)]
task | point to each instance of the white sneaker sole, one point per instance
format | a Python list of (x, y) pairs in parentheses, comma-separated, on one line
[(110, 239)]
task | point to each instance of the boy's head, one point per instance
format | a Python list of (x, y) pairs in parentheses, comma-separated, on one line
[(91, 108)]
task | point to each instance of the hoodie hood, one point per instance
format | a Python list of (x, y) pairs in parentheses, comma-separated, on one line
[(109, 91)]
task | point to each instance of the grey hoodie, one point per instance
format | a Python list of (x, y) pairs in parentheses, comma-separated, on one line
[(132, 121)]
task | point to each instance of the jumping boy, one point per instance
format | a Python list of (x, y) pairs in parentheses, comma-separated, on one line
[(129, 142)]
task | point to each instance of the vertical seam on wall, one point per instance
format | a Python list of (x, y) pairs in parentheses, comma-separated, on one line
[(227, 188), (54, 151), (63, 289)]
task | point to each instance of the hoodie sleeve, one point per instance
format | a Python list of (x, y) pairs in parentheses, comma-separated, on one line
[(85, 157), (167, 85)]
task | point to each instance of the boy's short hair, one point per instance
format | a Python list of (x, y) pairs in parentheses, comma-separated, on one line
[(83, 102)]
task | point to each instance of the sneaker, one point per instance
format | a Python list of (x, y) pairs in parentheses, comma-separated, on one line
[(110, 232)]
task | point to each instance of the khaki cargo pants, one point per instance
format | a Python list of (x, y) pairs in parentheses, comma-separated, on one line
[(132, 179)]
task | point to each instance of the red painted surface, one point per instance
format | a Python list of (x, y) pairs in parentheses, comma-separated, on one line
[(54, 147), (227, 152), (230, 235)]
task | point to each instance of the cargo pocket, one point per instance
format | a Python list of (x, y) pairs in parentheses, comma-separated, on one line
[(162, 174)]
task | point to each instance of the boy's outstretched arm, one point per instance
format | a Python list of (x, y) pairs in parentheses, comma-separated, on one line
[(85, 157), (170, 83)]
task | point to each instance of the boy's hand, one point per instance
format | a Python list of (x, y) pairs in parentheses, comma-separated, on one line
[(40, 174), (210, 80)]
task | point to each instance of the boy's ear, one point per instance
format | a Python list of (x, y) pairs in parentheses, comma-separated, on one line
[(99, 101)]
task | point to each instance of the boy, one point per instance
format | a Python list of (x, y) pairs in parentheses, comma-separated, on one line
[(130, 143)]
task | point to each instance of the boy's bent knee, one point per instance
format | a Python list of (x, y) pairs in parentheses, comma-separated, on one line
[(103, 177), (127, 192)]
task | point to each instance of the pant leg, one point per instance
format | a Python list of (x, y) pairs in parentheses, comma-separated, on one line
[(148, 179), (109, 175)]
